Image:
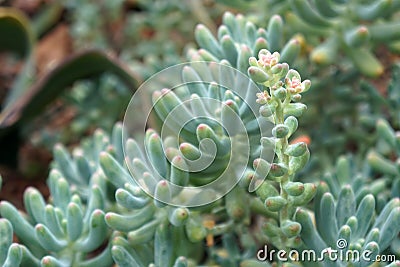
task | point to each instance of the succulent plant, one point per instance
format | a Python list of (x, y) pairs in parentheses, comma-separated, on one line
[(348, 227), (337, 127), (283, 85), (215, 171), (384, 159), (347, 172), (349, 30), (143, 221), (158, 35), (239, 39), (61, 233), (82, 169), (88, 29), (383, 100)]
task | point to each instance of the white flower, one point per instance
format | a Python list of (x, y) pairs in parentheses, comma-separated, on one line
[(262, 98), (266, 59), (294, 85)]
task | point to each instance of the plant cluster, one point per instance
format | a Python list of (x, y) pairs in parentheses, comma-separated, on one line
[(224, 167), (340, 44)]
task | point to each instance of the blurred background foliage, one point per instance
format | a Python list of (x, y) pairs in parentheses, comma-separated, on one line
[(146, 36)]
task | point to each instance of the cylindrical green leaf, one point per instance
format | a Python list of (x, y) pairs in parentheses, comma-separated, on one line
[(326, 52), (74, 221), (162, 245), (97, 233), (243, 60), (130, 222), (390, 229), (364, 214), (352, 222), (129, 201), (156, 154), (123, 258), (327, 213), (178, 216), (357, 36), (83, 167), (265, 190), (50, 261), (374, 10), (290, 51), (373, 236), (65, 163), (343, 170), (308, 14), (6, 238), (53, 221), (229, 49), (294, 109), (113, 170), (14, 256), (292, 123), (365, 61), (278, 170), (309, 192), (346, 205), (275, 203), (206, 40), (309, 235), (270, 228), (144, 234), (294, 188), (274, 33), (344, 238), (162, 194), (386, 132), (47, 240), (21, 227), (297, 163), (280, 131), (290, 228), (296, 150), (35, 204)]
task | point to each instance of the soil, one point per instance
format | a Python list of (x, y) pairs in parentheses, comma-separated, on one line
[(14, 185)]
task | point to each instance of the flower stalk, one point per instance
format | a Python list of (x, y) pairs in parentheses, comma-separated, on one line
[(280, 103)]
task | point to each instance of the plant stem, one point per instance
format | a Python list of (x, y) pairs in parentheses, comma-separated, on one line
[(283, 158)]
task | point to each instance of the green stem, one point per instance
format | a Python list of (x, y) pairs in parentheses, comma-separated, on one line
[(283, 158)]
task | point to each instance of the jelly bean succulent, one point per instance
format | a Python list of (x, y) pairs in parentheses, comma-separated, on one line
[(239, 39), (350, 30), (280, 102), (353, 110), (361, 184), (214, 176), (65, 226), (384, 158), (350, 27)]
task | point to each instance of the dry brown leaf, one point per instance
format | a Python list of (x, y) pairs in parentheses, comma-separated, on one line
[(53, 48)]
